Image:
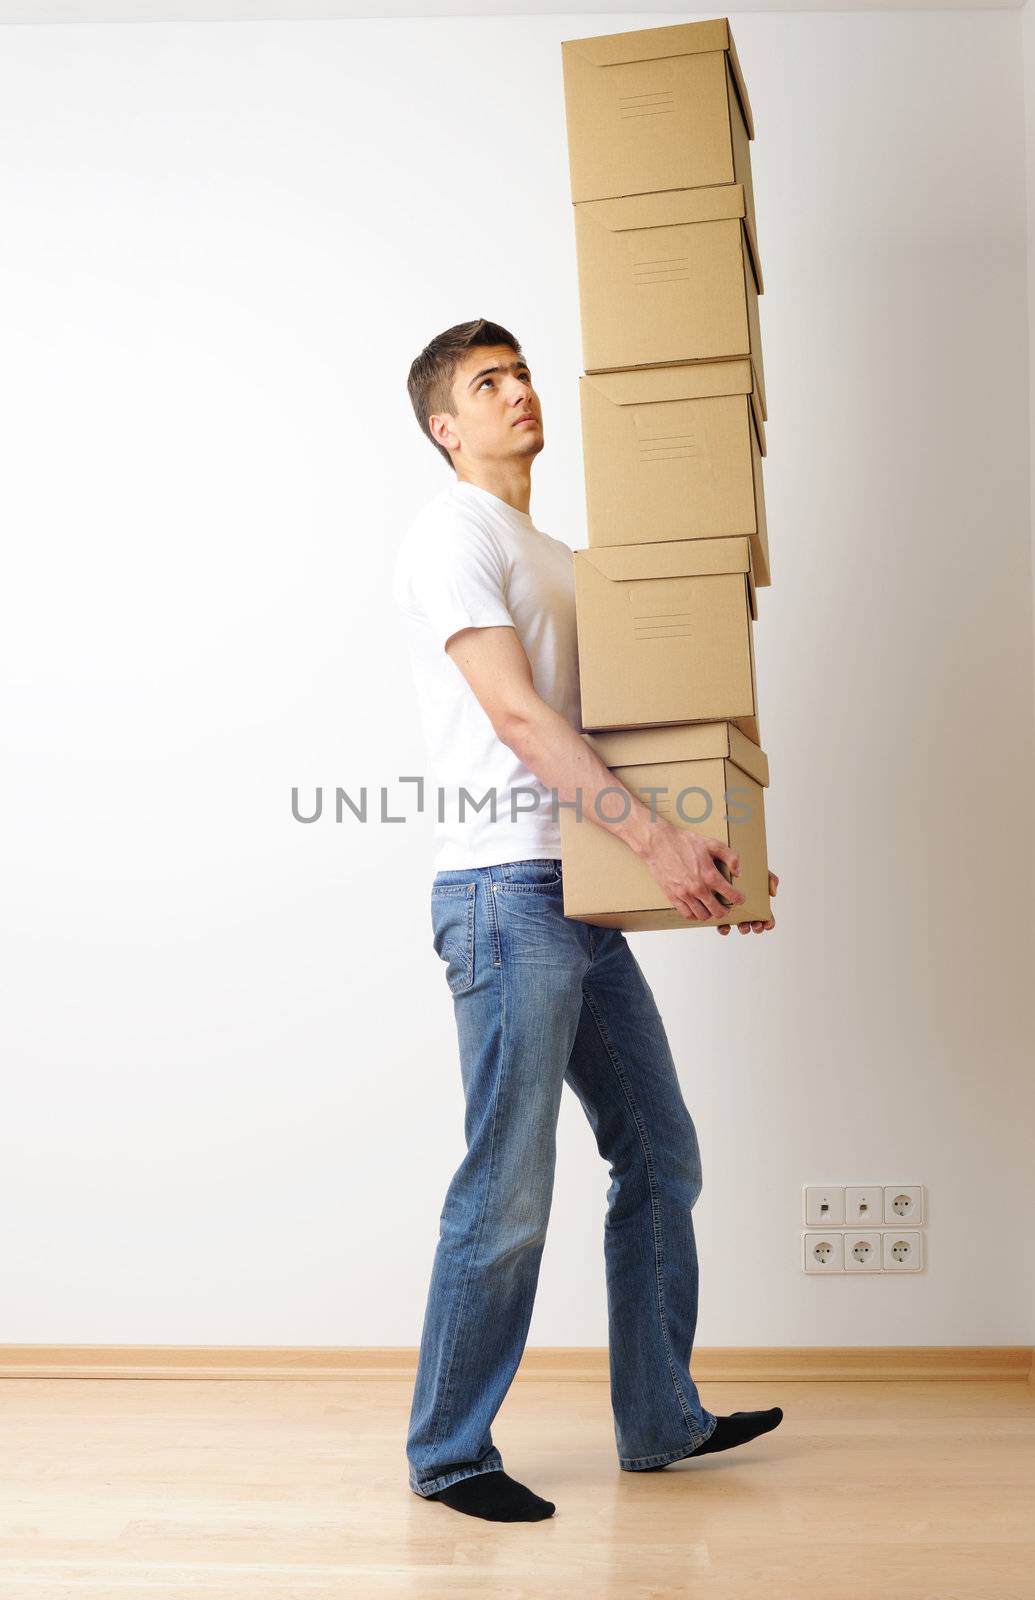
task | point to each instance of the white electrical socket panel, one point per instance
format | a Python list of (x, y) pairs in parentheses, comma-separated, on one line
[(904, 1204), (864, 1205), (823, 1252), (903, 1250), (863, 1252), (824, 1206), (884, 1220)]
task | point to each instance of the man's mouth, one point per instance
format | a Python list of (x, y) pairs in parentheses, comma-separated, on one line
[(520, 420)]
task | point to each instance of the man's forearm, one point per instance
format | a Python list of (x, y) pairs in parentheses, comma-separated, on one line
[(561, 759)]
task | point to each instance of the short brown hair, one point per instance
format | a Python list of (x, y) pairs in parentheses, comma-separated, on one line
[(430, 383)]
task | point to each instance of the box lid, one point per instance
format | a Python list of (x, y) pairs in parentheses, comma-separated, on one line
[(675, 558), (687, 380), (682, 39), (667, 208), (680, 741)]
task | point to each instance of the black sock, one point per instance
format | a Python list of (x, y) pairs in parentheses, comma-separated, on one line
[(495, 1496), (730, 1431)]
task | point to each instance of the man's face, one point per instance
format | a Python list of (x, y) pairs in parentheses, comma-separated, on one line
[(492, 395)]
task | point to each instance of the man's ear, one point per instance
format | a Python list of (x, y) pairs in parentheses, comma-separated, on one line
[(444, 433)]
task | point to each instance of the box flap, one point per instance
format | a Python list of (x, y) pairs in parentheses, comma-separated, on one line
[(684, 380), (680, 741), (667, 208), (672, 558), (756, 418), (741, 86), (647, 44), (745, 754), (677, 741), (681, 39), (687, 380), (756, 259)]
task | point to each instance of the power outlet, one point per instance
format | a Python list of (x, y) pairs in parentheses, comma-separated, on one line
[(903, 1251), (863, 1252), (864, 1205), (824, 1206), (823, 1252), (904, 1204)]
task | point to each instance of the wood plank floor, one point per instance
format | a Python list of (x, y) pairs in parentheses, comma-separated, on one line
[(222, 1490)]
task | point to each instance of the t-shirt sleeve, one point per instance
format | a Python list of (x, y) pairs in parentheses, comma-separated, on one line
[(456, 578)]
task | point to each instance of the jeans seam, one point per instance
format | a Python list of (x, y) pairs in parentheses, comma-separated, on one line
[(467, 951), (656, 1229), (447, 1392), (497, 954)]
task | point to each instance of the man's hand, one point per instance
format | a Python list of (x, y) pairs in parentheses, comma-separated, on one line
[(684, 866), (754, 927)]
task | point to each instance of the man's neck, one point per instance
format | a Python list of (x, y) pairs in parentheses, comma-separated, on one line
[(515, 488)]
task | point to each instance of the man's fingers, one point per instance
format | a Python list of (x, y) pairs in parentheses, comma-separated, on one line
[(717, 880), (748, 927), (729, 856), (703, 909), (773, 882)]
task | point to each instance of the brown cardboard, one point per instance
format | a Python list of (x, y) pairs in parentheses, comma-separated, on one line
[(664, 634), (606, 883), (669, 277), (675, 453), (657, 108)]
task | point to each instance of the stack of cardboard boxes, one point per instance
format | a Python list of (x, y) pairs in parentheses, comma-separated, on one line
[(673, 426)]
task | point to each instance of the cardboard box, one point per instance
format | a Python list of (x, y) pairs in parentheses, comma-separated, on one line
[(711, 780), (667, 278), (675, 453), (658, 108), (664, 634)]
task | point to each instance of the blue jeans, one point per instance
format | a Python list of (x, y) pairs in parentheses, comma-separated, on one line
[(539, 1000)]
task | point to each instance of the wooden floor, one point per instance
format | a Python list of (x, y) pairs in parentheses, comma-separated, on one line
[(298, 1489)]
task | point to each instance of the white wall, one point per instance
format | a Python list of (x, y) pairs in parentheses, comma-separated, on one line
[(1027, 20), (233, 1103)]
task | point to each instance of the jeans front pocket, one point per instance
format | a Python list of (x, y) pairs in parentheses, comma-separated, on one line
[(531, 874), (452, 920)]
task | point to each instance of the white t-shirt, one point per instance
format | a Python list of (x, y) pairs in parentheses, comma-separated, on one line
[(471, 560)]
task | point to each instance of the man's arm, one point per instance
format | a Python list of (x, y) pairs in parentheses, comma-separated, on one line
[(493, 661)]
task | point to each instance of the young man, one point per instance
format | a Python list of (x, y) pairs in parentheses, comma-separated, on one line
[(539, 999)]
